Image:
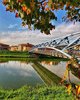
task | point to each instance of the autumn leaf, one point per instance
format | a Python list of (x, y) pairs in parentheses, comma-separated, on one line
[(77, 90), (68, 87), (28, 9), (49, 3), (65, 75)]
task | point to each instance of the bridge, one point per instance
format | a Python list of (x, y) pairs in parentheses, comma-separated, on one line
[(60, 46)]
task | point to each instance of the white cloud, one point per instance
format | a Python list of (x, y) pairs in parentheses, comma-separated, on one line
[(35, 37), (65, 29), (11, 26)]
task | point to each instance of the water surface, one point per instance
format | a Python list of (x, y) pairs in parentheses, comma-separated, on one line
[(15, 74)]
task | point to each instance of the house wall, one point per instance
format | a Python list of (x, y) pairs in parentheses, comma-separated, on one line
[(4, 47)]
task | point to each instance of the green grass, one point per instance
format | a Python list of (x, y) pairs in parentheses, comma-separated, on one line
[(26, 54), (36, 93), (6, 56), (14, 54)]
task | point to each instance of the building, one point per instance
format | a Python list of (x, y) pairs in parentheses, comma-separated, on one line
[(13, 48), (75, 50), (4, 46), (77, 47), (25, 47)]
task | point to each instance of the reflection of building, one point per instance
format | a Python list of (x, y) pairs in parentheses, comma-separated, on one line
[(77, 47), (4, 46), (25, 47), (50, 62), (25, 62), (14, 48)]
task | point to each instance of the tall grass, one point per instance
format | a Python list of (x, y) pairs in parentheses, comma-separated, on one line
[(36, 93)]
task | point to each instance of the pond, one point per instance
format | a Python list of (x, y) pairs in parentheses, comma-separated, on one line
[(14, 74)]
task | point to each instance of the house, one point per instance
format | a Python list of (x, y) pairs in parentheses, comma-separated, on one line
[(25, 47), (77, 47), (13, 48), (4, 46)]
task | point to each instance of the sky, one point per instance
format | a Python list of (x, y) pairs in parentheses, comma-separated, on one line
[(12, 33)]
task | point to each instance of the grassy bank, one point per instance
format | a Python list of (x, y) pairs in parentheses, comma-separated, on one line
[(36, 93), (22, 56), (14, 54)]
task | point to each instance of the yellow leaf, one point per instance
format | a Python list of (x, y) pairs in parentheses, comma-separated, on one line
[(77, 90), (49, 3), (68, 86), (65, 74)]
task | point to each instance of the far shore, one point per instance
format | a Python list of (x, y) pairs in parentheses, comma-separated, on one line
[(20, 55)]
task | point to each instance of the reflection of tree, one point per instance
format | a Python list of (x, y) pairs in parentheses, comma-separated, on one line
[(74, 67), (3, 61), (48, 77)]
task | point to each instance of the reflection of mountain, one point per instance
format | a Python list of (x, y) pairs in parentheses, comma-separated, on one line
[(48, 77)]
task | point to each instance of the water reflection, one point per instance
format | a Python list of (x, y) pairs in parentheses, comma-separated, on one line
[(59, 69), (3, 62), (15, 74), (48, 77), (50, 62)]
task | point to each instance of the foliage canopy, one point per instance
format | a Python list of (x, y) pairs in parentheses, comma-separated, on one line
[(39, 13)]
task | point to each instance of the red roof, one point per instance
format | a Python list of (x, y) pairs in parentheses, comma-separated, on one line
[(27, 45), (3, 44)]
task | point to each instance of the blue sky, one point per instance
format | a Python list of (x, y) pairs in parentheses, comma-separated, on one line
[(7, 19), (11, 29), (8, 22)]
